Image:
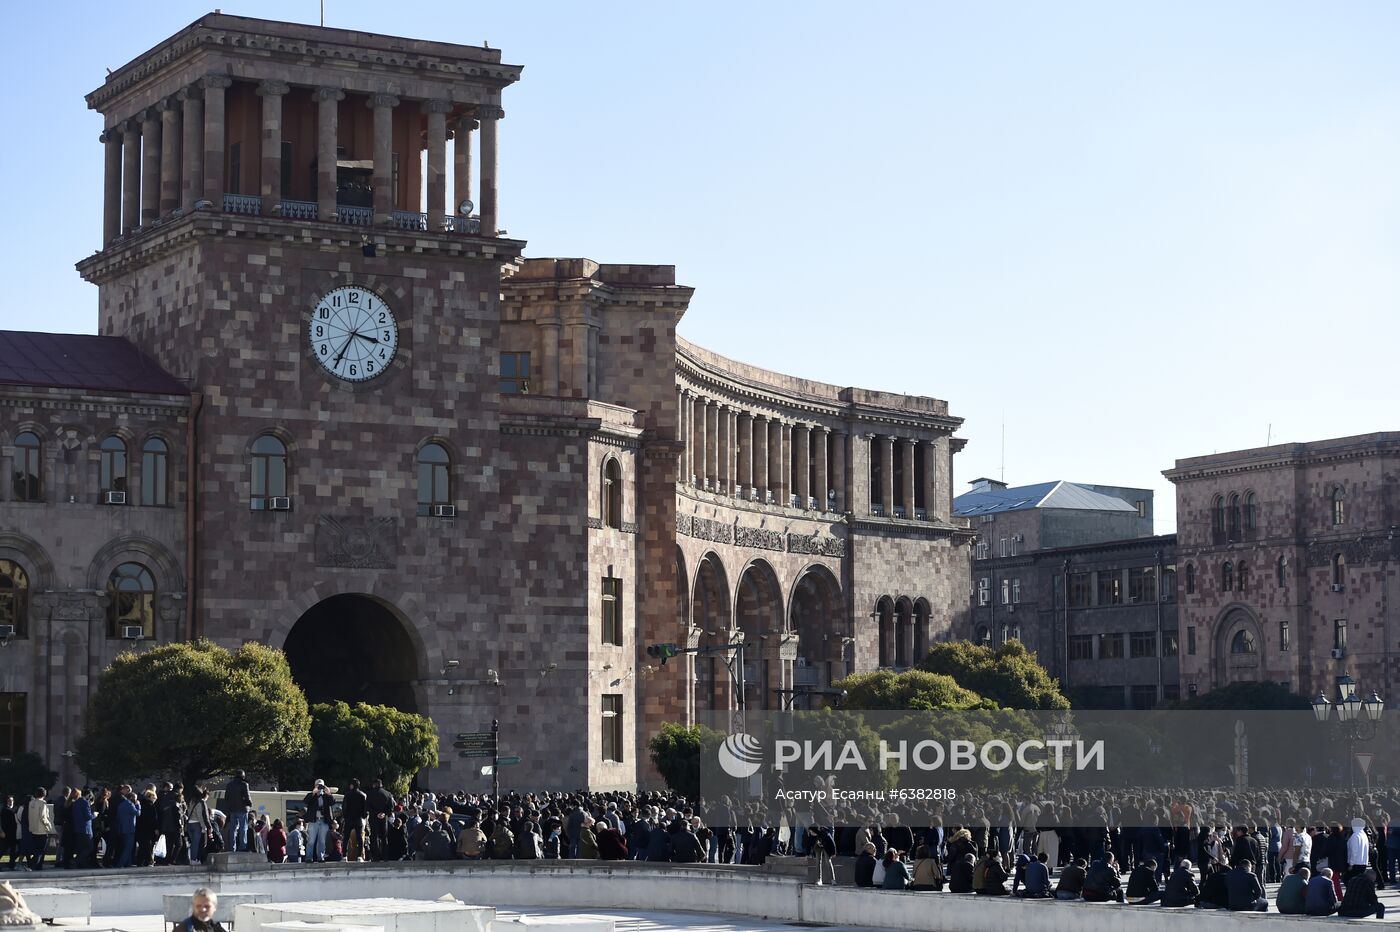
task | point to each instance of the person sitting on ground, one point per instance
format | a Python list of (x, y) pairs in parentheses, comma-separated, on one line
[(1018, 876), (1360, 899), (202, 907), (1322, 896), (960, 874), (896, 871), (1215, 892), (1181, 889), (865, 866), (1245, 892), (993, 877), (1101, 881), (1292, 898), (928, 873), (335, 843), (1071, 885), (1037, 878), (1142, 883)]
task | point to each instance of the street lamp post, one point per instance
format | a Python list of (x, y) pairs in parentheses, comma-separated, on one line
[(1357, 720)]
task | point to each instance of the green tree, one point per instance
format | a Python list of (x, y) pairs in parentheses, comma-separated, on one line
[(1008, 675), (888, 691), (194, 710), (22, 774), (676, 750), (367, 741), (1246, 697)]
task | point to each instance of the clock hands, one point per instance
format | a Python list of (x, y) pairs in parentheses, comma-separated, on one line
[(341, 355)]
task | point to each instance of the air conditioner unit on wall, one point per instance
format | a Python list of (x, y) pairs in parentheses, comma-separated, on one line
[(444, 511), (1338, 653), (132, 632), (114, 498), (279, 503), (7, 632)]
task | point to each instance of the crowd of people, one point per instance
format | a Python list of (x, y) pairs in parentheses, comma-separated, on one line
[(1215, 849)]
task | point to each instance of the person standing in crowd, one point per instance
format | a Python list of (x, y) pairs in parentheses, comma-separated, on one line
[(127, 815), (354, 807), (170, 814), (379, 805), (1358, 850), (38, 826), (319, 804), (197, 824), (9, 831), (276, 842), (237, 804), (79, 850)]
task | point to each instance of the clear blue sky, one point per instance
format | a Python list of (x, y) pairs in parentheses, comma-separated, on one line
[(1129, 232)]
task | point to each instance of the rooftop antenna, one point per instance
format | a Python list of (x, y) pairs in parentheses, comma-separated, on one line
[(323, 12), (1270, 439)]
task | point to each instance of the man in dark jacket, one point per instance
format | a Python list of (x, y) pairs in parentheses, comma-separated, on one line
[(1292, 897), (319, 804), (685, 847), (1215, 893), (378, 804), (659, 844), (1142, 883), (993, 877), (1244, 892), (1244, 847), (9, 828), (1360, 899), (1181, 889), (1322, 895), (1071, 885), (353, 809), (170, 816), (865, 870), (237, 804), (1101, 883), (959, 872)]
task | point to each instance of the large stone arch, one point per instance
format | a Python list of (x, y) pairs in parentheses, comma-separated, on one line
[(825, 641), (170, 576), (32, 556), (1237, 621), (682, 591), (758, 613), (711, 613), (356, 647)]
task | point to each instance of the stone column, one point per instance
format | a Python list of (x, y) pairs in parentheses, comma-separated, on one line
[(270, 170), (437, 163), (908, 450), (214, 87), (327, 146), (722, 439), (821, 437), (745, 453), (778, 474), (462, 169), (887, 477), (383, 106), (111, 187), (712, 450), (702, 443), (490, 118), (931, 503), (838, 469), (681, 431), (131, 175), (760, 456), (169, 155), (802, 462), (192, 147), (150, 166)]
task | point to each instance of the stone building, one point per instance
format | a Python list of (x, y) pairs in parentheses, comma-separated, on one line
[(1290, 565), (331, 415), (1073, 572)]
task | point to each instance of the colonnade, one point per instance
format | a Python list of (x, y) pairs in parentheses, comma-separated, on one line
[(172, 155)]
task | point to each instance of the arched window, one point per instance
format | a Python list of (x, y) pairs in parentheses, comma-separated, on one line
[(612, 494), (1227, 577), (1190, 579), (434, 479), (984, 634), (14, 597), (1217, 515), (1242, 576), (884, 620), (155, 475), (269, 474), (1234, 516), (1242, 642), (1339, 571), (27, 472), (113, 470), (1251, 514), (1282, 570), (131, 601), (1339, 506)]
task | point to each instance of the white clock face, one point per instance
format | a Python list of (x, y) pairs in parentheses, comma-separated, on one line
[(353, 333)]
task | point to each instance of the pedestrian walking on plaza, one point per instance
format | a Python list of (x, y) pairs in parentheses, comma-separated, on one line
[(237, 805), (38, 826)]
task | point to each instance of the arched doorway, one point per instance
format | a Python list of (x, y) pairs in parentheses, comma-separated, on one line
[(710, 612), (353, 648), (758, 612), (818, 618), (884, 619)]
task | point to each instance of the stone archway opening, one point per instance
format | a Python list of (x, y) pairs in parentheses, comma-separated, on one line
[(824, 642), (710, 612), (758, 612), (353, 648)]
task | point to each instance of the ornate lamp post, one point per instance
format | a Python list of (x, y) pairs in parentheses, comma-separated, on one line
[(1358, 720)]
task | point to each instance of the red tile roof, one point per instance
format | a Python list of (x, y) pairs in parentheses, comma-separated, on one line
[(77, 360)]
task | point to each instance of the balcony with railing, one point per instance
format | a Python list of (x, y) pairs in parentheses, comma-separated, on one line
[(250, 205)]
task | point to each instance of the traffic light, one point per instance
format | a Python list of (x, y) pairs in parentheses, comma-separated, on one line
[(663, 651)]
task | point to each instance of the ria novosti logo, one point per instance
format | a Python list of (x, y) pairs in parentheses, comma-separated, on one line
[(741, 756)]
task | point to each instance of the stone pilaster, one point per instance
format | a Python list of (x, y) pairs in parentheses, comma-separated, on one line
[(437, 163), (111, 186), (490, 145), (840, 481), (131, 175), (383, 106), (214, 87), (802, 463), (327, 145), (907, 449), (270, 171), (462, 165), (192, 147), (887, 476), (169, 155), (821, 438), (150, 166)]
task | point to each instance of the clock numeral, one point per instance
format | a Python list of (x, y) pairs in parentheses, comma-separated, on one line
[(369, 303), (352, 369), (325, 348), (324, 312), (335, 300), (320, 331), (354, 297), (381, 355), (387, 336), (382, 317), (369, 365)]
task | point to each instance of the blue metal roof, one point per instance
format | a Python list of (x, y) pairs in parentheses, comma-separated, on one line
[(1059, 494)]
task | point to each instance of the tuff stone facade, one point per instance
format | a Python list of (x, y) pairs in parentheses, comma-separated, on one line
[(574, 528), (1313, 527)]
